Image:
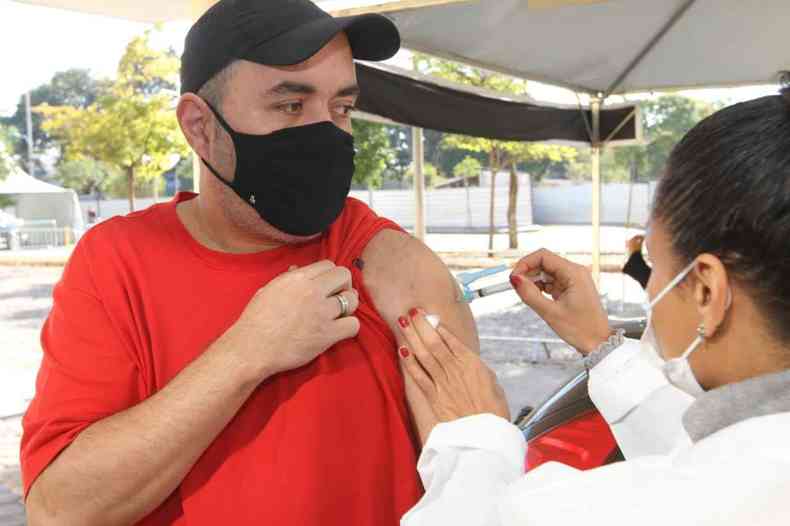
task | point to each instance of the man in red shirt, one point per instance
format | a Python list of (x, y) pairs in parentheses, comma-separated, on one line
[(230, 357)]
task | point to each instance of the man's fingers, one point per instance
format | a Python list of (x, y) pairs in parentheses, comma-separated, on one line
[(416, 372), (314, 270), (334, 308), (345, 328), (334, 281)]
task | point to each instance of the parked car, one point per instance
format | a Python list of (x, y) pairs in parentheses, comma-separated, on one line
[(567, 427)]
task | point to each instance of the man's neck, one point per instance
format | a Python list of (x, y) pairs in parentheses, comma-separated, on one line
[(209, 227)]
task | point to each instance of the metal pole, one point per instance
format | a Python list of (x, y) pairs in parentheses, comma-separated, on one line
[(595, 106), (418, 152), (29, 118)]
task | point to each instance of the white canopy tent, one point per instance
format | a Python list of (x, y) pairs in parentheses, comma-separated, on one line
[(35, 200)]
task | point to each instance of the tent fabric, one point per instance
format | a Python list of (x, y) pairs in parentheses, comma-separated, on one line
[(419, 102), (18, 182), (587, 47), (36, 200)]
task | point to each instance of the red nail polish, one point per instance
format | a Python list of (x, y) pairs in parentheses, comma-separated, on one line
[(403, 321), (404, 352), (413, 313), (516, 281)]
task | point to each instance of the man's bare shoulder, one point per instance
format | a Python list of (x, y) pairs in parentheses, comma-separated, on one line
[(401, 273)]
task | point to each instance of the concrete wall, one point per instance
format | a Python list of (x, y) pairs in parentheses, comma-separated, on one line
[(467, 210)]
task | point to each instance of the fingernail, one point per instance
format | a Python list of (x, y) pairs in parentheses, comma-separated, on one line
[(403, 321), (413, 313), (516, 281), (404, 352)]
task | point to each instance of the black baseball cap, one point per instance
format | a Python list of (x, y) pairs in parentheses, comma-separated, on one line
[(276, 33)]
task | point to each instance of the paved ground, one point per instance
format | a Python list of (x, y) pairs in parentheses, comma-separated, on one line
[(529, 371)]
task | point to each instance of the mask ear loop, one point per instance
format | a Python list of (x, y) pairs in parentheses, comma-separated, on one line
[(232, 134), (698, 341), (672, 284)]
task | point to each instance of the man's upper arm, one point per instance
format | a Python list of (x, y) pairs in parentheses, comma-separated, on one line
[(86, 372), (402, 273)]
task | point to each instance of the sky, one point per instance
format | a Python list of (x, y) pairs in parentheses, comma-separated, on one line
[(36, 42)]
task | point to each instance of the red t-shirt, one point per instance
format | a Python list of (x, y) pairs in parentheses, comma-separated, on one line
[(327, 444)]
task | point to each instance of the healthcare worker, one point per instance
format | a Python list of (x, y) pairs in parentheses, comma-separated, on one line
[(718, 337)]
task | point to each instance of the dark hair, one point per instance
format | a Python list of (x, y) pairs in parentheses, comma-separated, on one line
[(726, 191), (213, 91)]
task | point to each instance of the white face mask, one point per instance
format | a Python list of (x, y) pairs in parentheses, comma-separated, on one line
[(677, 370)]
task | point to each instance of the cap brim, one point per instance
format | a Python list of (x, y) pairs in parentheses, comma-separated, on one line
[(372, 37)]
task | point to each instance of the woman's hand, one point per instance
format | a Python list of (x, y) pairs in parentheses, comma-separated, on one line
[(453, 378), (575, 313)]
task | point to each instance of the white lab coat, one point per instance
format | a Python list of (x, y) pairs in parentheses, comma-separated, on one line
[(472, 468)]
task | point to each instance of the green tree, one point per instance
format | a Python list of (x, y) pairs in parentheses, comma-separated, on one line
[(467, 169), (8, 138), (73, 87), (665, 121), (85, 176), (501, 154), (429, 171), (131, 125), (400, 142), (374, 153)]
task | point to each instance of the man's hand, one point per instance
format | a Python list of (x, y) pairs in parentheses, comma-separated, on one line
[(294, 318)]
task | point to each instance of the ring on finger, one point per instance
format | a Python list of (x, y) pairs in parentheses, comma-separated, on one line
[(344, 305)]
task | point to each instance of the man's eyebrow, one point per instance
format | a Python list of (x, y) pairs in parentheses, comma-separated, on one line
[(292, 88), (349, 91)]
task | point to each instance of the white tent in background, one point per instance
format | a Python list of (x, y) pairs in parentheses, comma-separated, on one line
[(35, 200)]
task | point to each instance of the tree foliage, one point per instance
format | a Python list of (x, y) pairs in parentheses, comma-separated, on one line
[(73, 87), (469, 168), (374, 153), (131, 125), (665, 121), (86, 176), (7, 142)]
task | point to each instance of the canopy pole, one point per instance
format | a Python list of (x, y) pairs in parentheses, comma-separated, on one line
[(29, 122), (418, 152), (197, 8), (595, 106)]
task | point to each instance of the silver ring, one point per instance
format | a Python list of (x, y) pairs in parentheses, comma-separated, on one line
[(344, 305)]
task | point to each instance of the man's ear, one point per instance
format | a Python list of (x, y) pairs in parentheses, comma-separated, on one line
[(712, 292), (195, 119)]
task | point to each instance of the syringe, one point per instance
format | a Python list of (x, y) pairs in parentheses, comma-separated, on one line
[(471, 295)]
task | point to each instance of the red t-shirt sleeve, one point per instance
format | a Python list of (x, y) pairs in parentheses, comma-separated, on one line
[(87, 372)]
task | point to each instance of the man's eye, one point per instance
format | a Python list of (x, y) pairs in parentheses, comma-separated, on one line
[(346, 110), (292, 107)]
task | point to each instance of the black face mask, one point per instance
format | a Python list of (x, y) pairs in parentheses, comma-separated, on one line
[(297, 179)]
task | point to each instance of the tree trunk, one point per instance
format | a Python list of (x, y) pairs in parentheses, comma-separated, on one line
[(156, 190), (494, 164), (512, 207), (468, 204), (130, 182)]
